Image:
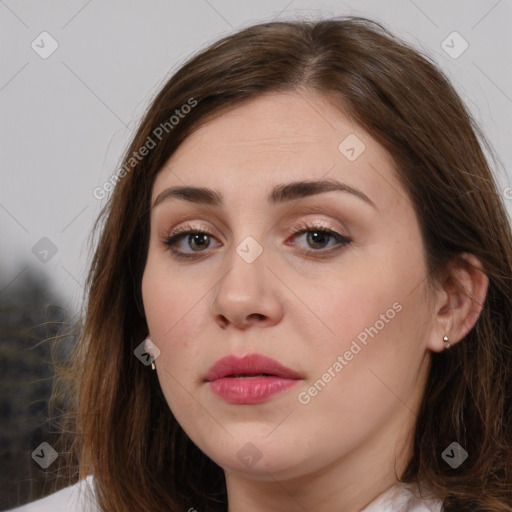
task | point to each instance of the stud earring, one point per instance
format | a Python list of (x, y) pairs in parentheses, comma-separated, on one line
[(445, 339)]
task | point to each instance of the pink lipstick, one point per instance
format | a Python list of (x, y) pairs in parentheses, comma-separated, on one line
[(250, 379)]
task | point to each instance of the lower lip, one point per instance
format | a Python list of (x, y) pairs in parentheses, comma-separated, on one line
[(250, 390)]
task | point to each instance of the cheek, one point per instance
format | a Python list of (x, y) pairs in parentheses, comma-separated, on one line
[(170, 296), (346, 309), (377, 311), (373, 357), (175, 313)]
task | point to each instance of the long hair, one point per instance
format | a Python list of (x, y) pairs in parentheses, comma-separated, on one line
[(126, 435)]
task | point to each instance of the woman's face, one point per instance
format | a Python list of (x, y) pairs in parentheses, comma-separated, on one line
[(342, 305)]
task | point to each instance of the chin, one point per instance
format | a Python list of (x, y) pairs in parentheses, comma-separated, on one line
[(258, 457)]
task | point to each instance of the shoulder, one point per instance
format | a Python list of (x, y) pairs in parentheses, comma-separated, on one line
[(404, 498), (75, 498)]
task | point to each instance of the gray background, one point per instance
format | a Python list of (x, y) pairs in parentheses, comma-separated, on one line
[(66, 119)]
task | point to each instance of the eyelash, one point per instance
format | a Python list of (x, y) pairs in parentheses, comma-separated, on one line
[(176, 234)]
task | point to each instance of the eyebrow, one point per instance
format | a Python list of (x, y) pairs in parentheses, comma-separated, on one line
[(279, 194)]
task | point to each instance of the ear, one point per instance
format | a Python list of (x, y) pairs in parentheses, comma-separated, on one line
[(459, 301)]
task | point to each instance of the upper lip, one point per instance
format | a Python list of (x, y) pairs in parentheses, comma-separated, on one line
[(252, 364)]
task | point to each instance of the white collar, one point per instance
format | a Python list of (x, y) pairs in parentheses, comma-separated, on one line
[(403, 498), (80, 497)]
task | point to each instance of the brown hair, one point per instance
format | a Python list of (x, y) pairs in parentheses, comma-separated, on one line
[(127, 436)]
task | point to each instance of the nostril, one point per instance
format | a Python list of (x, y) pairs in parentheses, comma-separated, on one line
[(223, 320)]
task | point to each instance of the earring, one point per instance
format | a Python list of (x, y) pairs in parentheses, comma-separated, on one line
[(153, 367), (445, 339)]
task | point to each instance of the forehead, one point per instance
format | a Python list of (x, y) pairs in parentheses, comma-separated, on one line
[(278, 138)]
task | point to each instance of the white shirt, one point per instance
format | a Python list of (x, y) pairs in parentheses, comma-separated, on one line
[(80, 498), (75, 498)]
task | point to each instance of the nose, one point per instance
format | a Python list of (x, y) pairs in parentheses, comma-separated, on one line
[(248, 294)]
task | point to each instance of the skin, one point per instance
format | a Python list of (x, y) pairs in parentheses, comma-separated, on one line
[(344, 445)]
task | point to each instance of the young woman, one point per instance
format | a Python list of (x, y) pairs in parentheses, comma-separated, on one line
[(300, 299)]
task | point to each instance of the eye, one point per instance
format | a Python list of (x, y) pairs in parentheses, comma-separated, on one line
[(198, 240), (194, 237), (319, 236)]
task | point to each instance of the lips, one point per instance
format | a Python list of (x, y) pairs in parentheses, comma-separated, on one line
[(250, 365), (249, 379)]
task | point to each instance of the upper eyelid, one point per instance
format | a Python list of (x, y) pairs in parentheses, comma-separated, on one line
[(293, 217), (304, 224), (327, 208)]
